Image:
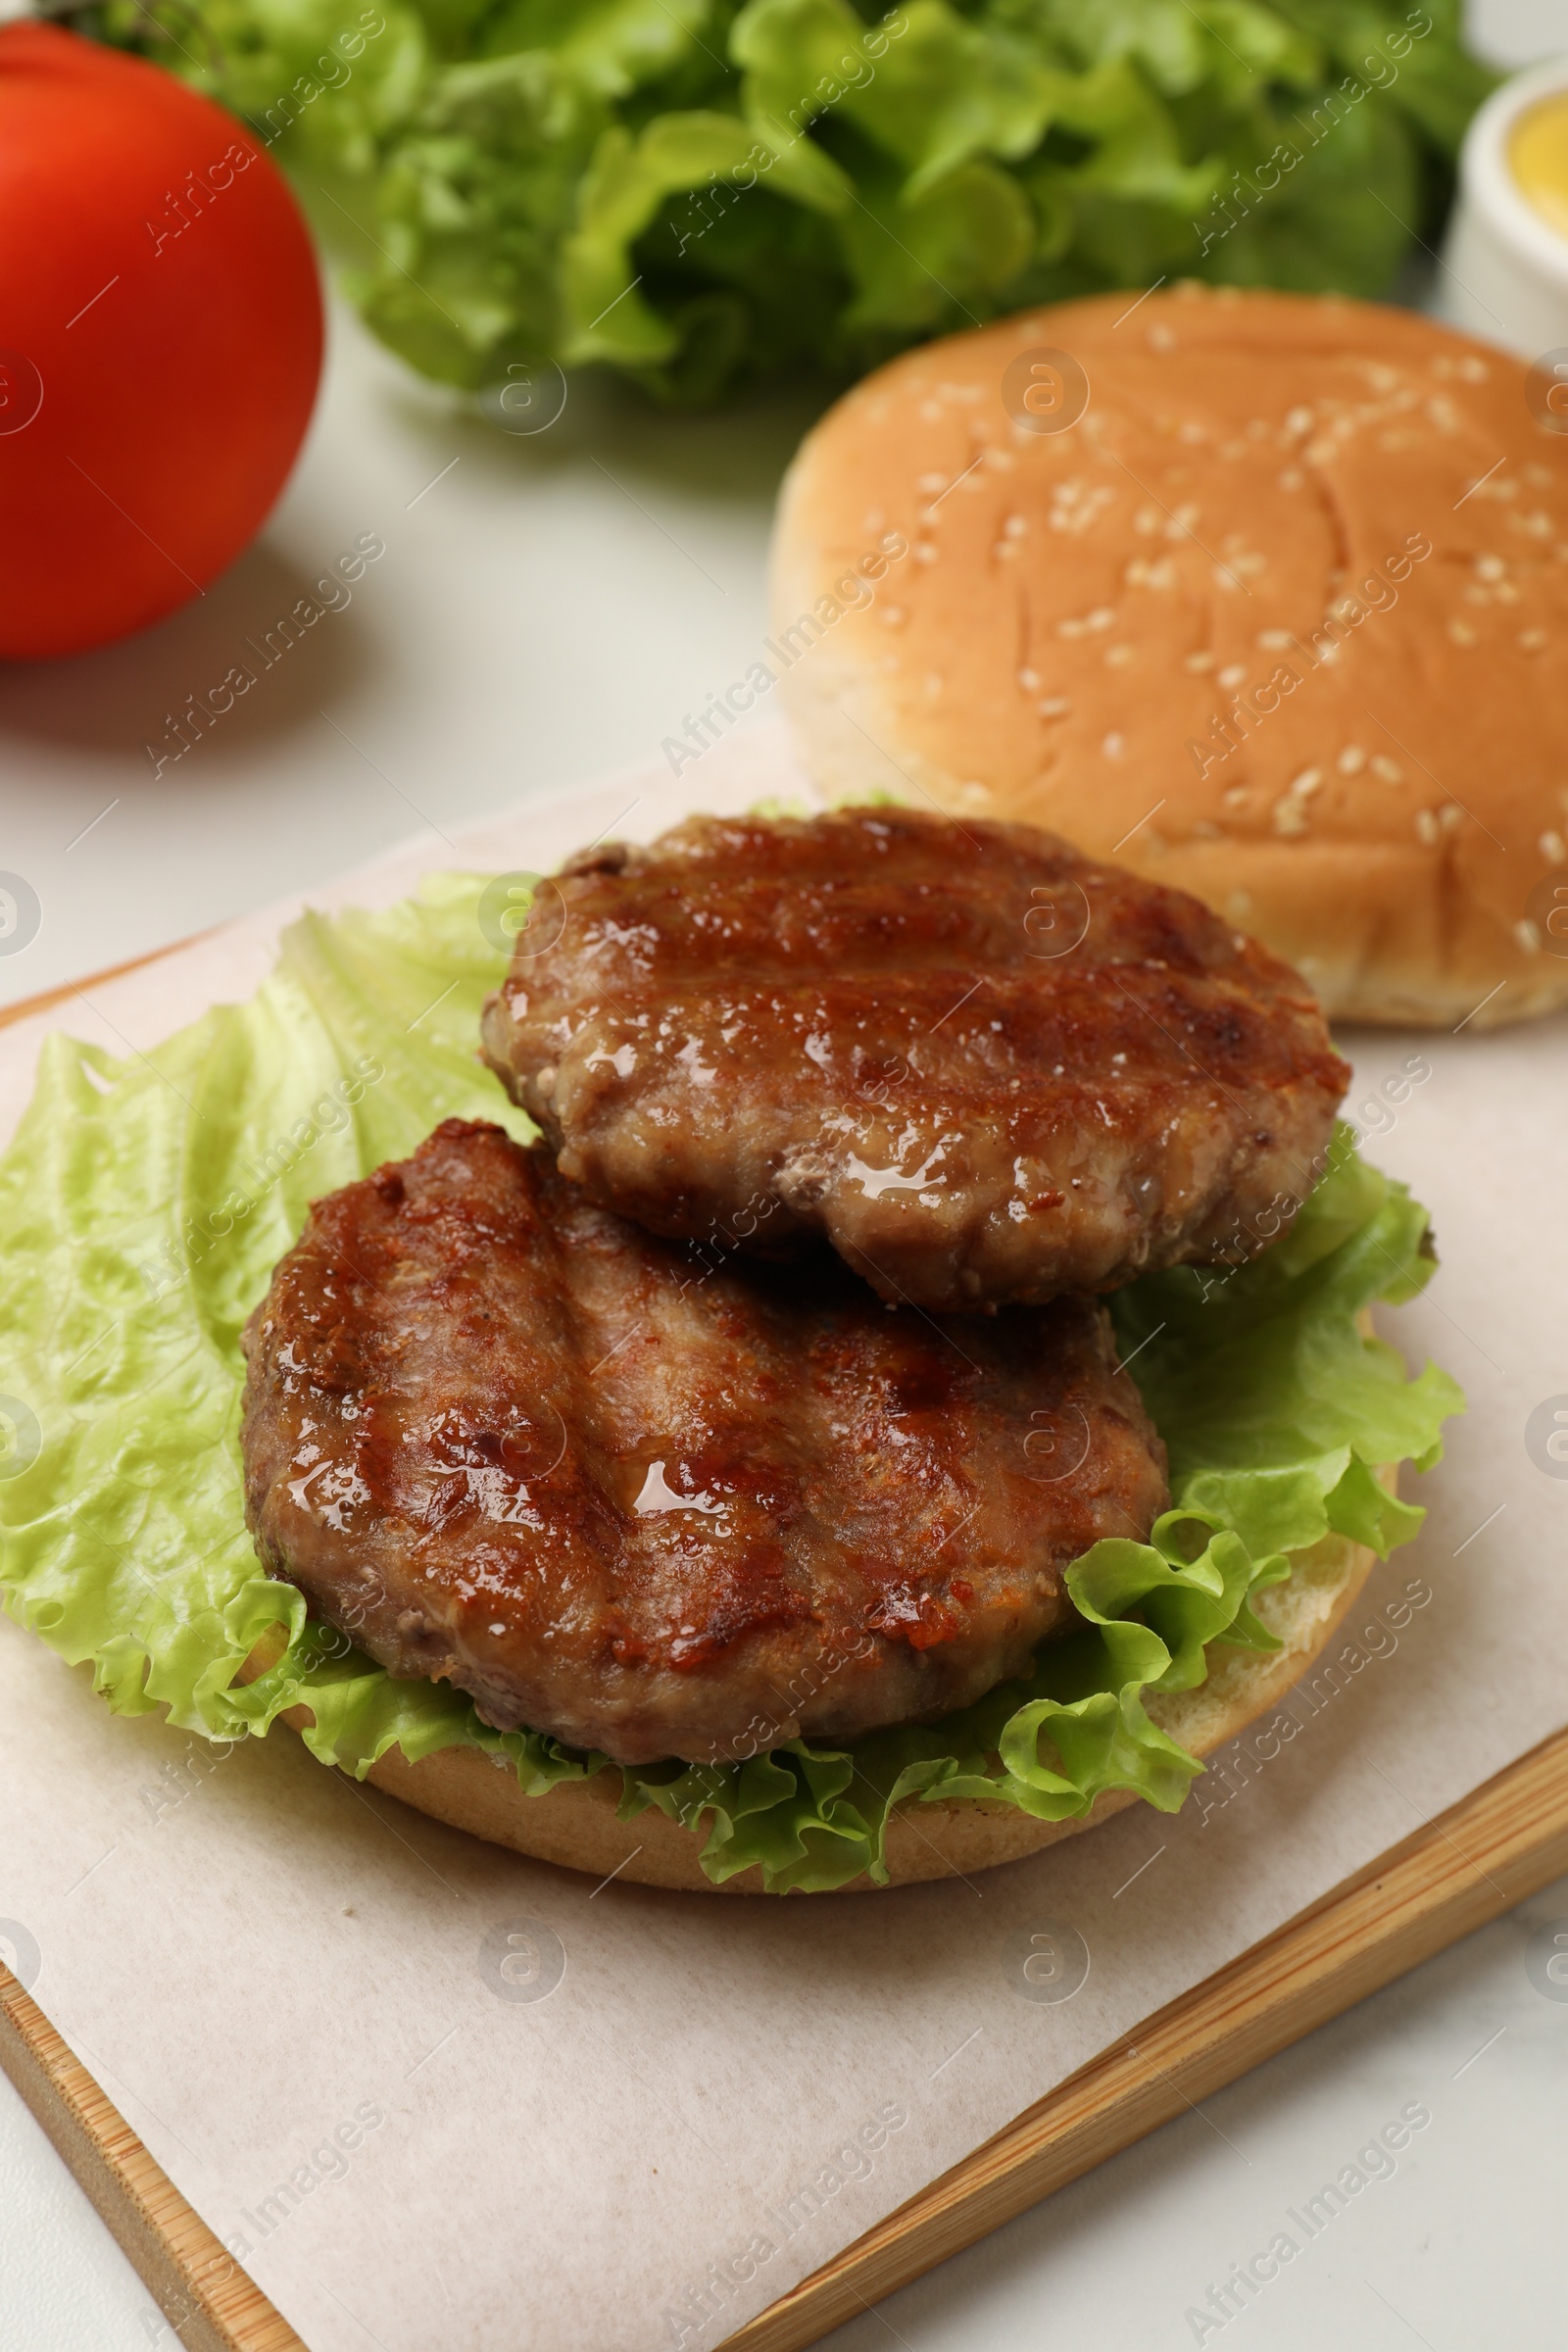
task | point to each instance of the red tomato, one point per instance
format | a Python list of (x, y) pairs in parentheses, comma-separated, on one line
[(160, 341)]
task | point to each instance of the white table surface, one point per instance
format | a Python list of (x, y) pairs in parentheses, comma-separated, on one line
[(543, 613)]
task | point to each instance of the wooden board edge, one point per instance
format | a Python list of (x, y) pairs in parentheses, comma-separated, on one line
[(1500, 1843), (1505, 1841), (210, 2302), (212, 2305), (48, 997)]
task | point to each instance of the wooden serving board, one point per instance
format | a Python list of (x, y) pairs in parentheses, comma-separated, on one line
[(1505, 1841), (1502, 1842)]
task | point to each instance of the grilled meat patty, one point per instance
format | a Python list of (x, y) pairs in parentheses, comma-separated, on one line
[(986, 1069), (655, 1502)]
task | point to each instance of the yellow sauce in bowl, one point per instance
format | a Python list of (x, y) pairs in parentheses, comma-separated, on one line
[(1538, 158)]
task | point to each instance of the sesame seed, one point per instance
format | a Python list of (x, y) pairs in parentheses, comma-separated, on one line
[(1552, 849), (1101, 617), (925, 553), (1117, 657), (930, 481), (1299, 420), (1290, 479), (1461, 633), (1451, 816), (1389, 769), (1237, 796), (1426, 826), (1528, 936), (1350, 760), (1028, 679), (1198, 662), (1113, 746), (1310, 780), (1233, 674), (893, 616), (1056, 706), (1289, 815), (1274, 641), (1015, 526), (1237, 906)]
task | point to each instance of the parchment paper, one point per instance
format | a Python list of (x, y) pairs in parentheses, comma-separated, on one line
[(434, 2095)]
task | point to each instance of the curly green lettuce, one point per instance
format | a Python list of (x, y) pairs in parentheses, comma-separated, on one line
[(702, 194), (144, 1202)]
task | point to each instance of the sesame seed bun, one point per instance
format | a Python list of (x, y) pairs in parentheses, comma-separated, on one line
[(1280, 617)]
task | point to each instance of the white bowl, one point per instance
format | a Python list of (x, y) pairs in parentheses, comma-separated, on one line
[(1505, 274)]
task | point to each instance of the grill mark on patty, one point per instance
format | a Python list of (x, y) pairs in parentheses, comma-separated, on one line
[(849, 1028), (646, 1502)]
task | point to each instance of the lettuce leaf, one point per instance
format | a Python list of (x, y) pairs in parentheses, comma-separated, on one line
[(144, 1202), (702, 194)]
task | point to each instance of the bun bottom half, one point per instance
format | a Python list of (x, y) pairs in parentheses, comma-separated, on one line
[(575, 1825)]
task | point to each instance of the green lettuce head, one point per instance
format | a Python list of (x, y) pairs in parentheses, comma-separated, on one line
[(700, 194)]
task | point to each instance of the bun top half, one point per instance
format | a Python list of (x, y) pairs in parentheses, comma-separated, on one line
[(1264, 594)]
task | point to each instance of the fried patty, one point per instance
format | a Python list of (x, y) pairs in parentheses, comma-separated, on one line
[(986, 1069), (661, 1504)]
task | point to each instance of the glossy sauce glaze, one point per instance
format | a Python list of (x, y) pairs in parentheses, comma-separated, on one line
[(651, 1499), (987, 1069)]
